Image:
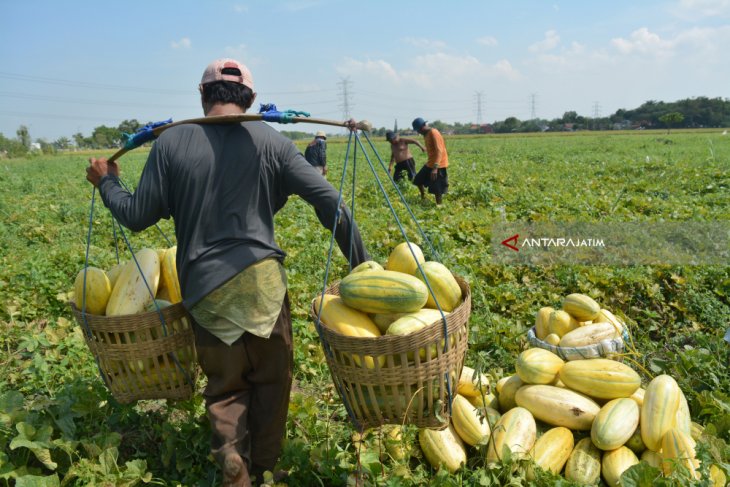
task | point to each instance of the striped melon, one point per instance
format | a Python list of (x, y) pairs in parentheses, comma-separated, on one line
[(684, 420), (488, 401), (558, 406), (383, 292), (339, 317), (678, 449), (541, 321), (584, 464), (638, 396), (98, 290), (717, 476), (443, 284), (114, 271), (635, 442), (652, 458), (468, 423), (394, 444), (600, 378), (472, 385), (516, 430), (133, 291), (588, 335), (368, 265), (581, 307), (442, 448), (615, 423), (659, 411), (384, 320), (552, 339), (561, 322), (615, 463), (506, 390), (538, 366), (401, 258), (413, 322), (605, 316), (168, 275), (552, 450)]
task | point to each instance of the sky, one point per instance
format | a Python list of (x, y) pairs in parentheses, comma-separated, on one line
[(69, 66)]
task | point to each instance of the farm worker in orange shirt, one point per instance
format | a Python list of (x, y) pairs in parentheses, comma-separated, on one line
[(401, 155), (433, 174)]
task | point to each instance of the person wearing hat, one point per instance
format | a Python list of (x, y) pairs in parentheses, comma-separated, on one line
[(401, 156), (222, 184), (316, 152), (433, 174)]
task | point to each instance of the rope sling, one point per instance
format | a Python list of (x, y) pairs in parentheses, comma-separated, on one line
[(318, 323)]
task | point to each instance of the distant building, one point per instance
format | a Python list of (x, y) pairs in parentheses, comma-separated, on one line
[(484, 128)]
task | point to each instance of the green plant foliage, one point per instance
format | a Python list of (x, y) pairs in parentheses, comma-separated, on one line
[(59, 426)]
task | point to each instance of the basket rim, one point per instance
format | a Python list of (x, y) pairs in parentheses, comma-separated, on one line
[(148, 319)]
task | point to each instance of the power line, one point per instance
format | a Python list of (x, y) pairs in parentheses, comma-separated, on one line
[(139, 89)]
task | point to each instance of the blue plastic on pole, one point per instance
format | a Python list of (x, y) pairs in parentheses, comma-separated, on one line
[(269, 113), (145, 134)]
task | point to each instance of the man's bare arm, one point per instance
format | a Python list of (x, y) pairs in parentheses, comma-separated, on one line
[(413, 141)]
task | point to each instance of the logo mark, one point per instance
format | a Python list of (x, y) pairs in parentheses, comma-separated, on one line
[(513, 238)]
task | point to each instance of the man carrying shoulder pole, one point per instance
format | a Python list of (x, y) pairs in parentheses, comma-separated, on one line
[(222, 183)]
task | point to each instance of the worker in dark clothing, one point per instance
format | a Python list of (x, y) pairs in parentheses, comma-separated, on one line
[(222, 185), (316, 152)]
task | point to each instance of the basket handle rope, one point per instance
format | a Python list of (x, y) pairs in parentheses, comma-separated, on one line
[(405, 237), (165, 332), (318, 323), (87, 328)]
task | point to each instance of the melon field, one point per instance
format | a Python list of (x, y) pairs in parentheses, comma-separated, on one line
[(59, 425)]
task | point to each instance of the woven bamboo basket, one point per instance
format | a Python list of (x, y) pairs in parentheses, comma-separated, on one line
[(412, 385), (605, 349), (139, 357)]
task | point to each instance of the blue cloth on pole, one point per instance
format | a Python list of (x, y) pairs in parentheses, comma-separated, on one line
[(145, 134)]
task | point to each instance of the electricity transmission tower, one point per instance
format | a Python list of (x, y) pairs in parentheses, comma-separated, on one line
[(345, 93), (533, 106), (479, 108), (596, 110), (596, 114)]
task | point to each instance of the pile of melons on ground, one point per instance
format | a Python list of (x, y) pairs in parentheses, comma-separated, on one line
[(391, 300), (122, 291), (595, 417)]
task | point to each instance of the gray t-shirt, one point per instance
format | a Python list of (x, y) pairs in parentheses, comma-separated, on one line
[(222, 184)]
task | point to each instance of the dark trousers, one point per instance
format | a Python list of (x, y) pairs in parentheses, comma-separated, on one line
[(247, 396), (408, 166)]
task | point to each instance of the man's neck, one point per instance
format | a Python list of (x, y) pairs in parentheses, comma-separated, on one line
[(224, 109)]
